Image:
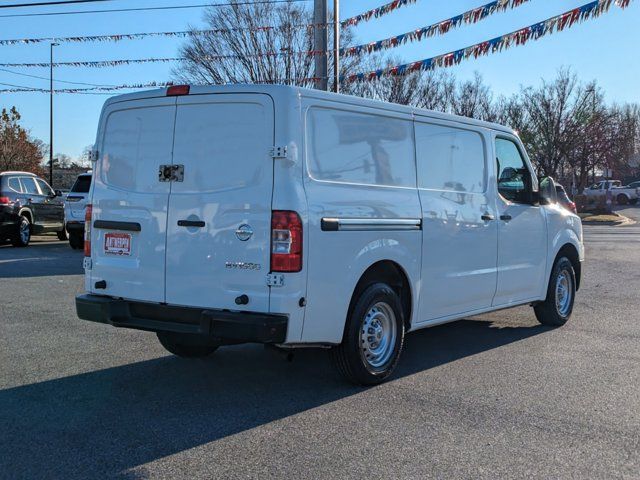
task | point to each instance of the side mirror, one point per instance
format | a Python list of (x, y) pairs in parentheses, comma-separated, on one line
[(547, 194), (58, 193)]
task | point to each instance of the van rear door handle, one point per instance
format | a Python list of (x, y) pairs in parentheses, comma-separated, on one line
[(487, 217), (191, 223), (506, 218)]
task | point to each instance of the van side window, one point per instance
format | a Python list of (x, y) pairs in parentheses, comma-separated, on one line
[(14, 184), (514, 178), (352, 147), (450, 159), (29, 185)]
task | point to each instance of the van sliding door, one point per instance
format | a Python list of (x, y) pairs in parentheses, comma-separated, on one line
[(460, 228)]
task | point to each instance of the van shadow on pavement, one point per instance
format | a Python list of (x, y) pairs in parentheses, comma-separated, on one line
[(106, 422)]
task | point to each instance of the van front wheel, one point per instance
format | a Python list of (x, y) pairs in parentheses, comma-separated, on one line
[(185, 345), (373, 337), (557, 307)]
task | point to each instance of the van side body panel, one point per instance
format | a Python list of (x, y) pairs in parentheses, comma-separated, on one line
[(339, 257)]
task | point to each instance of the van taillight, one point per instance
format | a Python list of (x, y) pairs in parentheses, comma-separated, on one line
[(5, 201), (87, 230), (286, 241), (178, 90)]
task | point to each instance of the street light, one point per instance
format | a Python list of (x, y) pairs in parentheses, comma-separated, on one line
[(51, 114)]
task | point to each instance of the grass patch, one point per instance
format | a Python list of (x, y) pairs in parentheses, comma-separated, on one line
[(601, 217)]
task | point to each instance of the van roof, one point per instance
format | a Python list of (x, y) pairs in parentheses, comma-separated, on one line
[(285, 90)]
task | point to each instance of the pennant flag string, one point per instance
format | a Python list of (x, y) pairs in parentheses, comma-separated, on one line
[(440, 28), (352, 21), (132, 61), (138, 36), (591, 10), (136, 86), (376, 12)]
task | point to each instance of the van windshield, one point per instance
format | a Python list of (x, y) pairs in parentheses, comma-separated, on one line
[(82, 184)]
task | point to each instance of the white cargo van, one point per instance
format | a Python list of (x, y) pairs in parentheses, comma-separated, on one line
[(294, 217)]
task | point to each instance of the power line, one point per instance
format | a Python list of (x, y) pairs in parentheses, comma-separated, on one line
[(147, 9), (55, 80), (57, 2)]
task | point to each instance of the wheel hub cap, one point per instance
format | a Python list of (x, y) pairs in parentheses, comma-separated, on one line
[(24, 232), (378, 335), (564, 293)]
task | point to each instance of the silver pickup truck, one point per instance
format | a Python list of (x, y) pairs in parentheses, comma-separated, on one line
[(622, 195)]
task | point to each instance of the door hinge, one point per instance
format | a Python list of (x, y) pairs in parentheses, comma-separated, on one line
[(275, 279), (171, 173), (86, 263), (279, 152), (93, 155)]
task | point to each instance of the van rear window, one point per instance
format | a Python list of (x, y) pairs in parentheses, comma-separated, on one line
[(82, 184), (353, 147)]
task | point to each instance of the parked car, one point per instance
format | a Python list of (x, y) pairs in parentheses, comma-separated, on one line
[(74, 206), (621, 195), (300, 218), (564, 199), (28, 206), (635, 185)]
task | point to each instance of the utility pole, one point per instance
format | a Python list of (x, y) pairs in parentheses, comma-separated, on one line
[(336, 46), (51, 114), (320, 43)]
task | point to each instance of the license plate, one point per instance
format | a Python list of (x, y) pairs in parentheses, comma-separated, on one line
[(117, 243)]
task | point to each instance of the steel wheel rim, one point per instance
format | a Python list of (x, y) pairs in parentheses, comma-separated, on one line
[(24, 231), (564, 293), (378, 335)]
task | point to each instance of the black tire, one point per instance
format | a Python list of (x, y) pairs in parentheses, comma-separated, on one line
[(62, 234), (622, 199), (552, 312), (185, 345), (350, 355), (76, 240), (22, 235)]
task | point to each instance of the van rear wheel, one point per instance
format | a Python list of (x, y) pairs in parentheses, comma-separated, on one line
[(557, 307), (373, 337), (185, 345), (76, 240)]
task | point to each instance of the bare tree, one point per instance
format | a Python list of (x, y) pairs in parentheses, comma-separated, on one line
[(257, 43)]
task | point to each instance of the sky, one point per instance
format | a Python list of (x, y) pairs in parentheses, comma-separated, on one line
[(604, 49)]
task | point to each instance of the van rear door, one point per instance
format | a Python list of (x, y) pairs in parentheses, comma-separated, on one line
[(219, 224), (129, 201)]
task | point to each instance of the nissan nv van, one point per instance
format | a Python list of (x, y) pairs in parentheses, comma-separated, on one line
[(300, 218)]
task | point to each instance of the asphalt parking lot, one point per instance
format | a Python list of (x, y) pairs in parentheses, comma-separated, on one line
[(496, 396)]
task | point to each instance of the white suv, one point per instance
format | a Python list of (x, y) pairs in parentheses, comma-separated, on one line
[(74, 206), (294, 217)]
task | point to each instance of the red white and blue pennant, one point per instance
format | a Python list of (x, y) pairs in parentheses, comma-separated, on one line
[(440, 28), (520, 37)]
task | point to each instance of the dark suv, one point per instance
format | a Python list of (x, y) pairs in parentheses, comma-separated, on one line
[(28, 205)]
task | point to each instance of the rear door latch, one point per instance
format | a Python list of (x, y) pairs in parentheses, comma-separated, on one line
[(171, 173)]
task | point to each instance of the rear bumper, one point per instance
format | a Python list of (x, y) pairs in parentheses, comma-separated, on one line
[(236, 326)]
